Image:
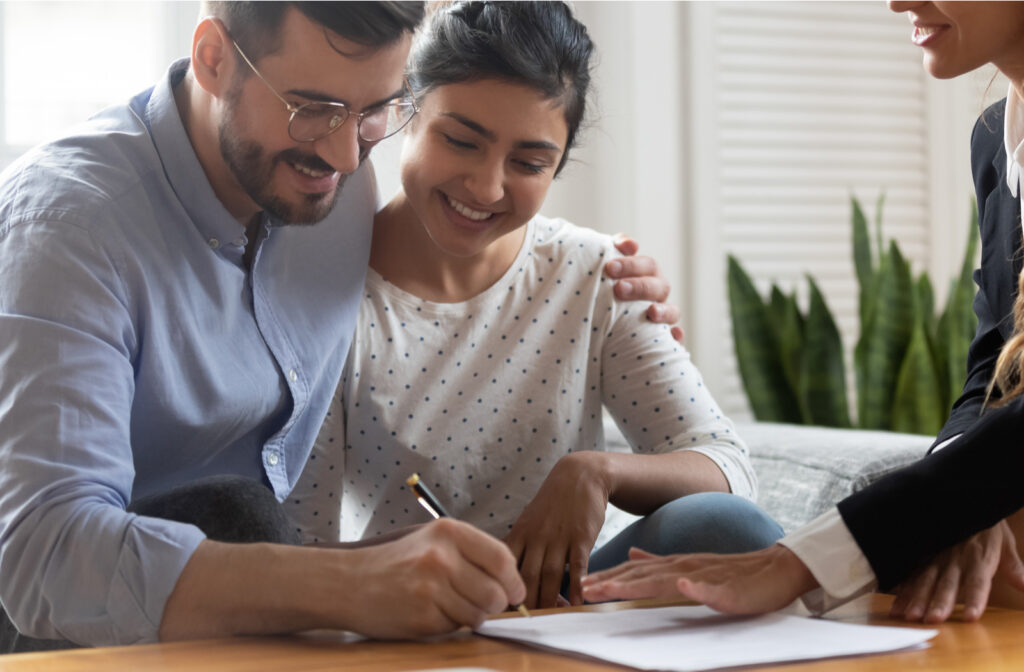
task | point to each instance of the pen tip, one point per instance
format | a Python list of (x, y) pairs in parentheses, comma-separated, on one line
[(412, 480), (523, 610)]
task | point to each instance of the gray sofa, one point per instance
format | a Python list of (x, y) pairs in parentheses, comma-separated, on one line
[(801, 470)]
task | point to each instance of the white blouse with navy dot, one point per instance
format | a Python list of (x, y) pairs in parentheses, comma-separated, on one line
[(481, 398)]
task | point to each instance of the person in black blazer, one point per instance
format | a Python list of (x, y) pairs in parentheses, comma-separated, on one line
[(999, 220), (936, 529)]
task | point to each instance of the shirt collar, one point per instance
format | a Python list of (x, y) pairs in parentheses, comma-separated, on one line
[(184, 172), (1013, 139)]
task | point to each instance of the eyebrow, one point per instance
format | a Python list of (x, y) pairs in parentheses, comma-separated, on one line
[(492, 137), (321, 97)]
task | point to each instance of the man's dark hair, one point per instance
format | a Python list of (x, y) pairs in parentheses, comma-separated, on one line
[(256, 26), (539, 44)]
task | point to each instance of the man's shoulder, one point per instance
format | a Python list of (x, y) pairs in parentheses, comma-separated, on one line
[(86, 171)]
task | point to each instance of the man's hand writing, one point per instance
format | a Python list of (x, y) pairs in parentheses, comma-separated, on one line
[(445, 575)]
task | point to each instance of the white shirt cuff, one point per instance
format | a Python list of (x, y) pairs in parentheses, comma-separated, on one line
[(946, 443), (830, 552)]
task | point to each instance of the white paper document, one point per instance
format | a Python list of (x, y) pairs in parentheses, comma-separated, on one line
[(698, 638)]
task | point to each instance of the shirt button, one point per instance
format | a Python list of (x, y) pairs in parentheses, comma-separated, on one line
[(213, 243), (272, 459), (292, 376), (240, 242)]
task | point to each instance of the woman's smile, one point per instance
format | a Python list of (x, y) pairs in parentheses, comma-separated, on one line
[(465, 211), (924, 34)]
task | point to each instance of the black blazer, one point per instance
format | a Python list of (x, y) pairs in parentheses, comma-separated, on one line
[(906, 518), (1000, 226)]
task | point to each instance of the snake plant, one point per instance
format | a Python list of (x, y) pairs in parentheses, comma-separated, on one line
[(909, 363)]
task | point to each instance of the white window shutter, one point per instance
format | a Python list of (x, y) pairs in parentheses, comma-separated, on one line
[(796, 107)]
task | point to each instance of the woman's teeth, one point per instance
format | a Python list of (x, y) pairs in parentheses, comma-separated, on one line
[(466, 211)]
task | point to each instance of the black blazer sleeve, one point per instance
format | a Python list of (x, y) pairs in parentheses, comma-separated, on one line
[(907, 517), (1000, 229)]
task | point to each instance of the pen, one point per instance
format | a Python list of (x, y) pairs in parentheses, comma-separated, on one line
[(427, 500), (426, 497)]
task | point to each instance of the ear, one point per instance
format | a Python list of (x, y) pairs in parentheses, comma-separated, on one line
[(213, 57)]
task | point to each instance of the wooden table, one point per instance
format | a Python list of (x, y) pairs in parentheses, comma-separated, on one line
[(995, 643)]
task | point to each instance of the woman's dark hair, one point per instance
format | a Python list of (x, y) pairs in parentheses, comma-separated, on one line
[(256, 26), (539, 44)]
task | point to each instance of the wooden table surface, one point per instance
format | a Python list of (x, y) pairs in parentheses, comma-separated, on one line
[(995, 643)]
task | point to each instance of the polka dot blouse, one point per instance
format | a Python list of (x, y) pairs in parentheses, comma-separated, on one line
[(481, 398)]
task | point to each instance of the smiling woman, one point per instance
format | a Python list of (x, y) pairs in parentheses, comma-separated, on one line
[(476, 167), (488, 339)]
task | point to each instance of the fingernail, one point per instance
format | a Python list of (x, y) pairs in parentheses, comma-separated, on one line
[(614, 267), (626, 287)]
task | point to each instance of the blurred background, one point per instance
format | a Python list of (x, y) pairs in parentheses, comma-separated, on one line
[(717, 128)]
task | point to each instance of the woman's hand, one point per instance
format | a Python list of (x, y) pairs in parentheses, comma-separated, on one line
[(559, 527), (967, 571), (639, 279), (745, 583)]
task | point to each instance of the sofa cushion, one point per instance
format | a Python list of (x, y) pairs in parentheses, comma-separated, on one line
[(802, 471)]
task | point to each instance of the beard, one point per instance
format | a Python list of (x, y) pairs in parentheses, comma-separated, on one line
[(254, 170)]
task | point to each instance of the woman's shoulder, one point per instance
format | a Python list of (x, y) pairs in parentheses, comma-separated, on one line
[(560, 239), (988, 154), (989, 128)]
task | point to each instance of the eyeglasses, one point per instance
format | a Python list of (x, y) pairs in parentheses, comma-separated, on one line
[(312, 121)]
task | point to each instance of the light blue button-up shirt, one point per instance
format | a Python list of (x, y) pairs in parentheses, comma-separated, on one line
[(137, 352)]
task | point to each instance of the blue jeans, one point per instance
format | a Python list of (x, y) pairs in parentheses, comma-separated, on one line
[(706, 522)]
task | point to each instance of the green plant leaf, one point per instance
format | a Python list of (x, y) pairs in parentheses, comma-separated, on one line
[(869, 305), (862, 258), (878, 222), (926, 303), (822, 373), (881, 348), (925, 296), (757, 352), (918, 404), (958, 322), (863, 261), (788, 325), (964, 323)]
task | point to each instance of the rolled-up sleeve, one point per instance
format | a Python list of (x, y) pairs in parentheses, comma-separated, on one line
[(73, 563)]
